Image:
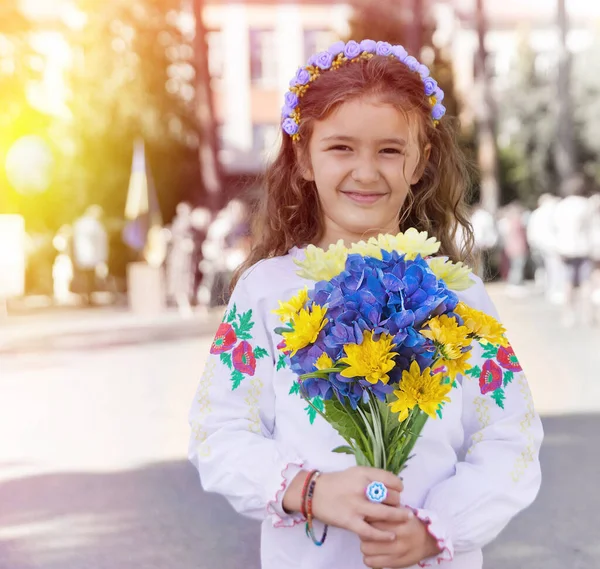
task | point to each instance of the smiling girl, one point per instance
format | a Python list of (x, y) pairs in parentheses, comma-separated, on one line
[(366, 150)]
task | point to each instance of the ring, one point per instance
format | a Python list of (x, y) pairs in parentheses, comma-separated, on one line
[(376, 492)]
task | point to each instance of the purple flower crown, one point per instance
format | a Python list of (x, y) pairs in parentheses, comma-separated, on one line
[(341, 53)]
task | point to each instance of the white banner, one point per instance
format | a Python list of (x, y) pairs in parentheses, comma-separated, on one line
[(12, 256)]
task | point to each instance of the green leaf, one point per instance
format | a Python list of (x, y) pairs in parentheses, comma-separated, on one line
[(318, 402), (312, 414), (475, 372), (490, 351), (361, 459), (295, 389), (260, 353), (454, 384), (280, 330), (339, 418), (236, 378), (508, 377), (281, 363), (498, 397), (225, 358), (344, 449), (232, 314), (245, 321)]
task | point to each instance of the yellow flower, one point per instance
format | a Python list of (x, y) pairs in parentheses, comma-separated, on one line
[(457, 366), (457, 276), (320, 265), (306, 324), (481, 325), (323, 362), (420, 389), (411, 243), (287, 310), (372, 359), (365, 249), (448, 337)]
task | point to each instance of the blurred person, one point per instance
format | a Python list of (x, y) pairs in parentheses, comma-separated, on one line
[(223, 250), (595, 255), (513, 238), (485, 234), (201, 218), (573, 224), (541, 238), (179, 261), (62, 268), (90, 251)]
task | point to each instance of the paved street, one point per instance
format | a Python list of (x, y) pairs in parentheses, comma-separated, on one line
[(93, 473)]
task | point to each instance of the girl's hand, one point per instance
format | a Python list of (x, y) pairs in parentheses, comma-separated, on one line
[(413, 543), (339, 500)]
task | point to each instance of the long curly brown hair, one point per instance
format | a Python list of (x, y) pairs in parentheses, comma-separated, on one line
[(289, 212)]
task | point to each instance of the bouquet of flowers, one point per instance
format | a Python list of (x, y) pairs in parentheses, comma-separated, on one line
[(378, 341)]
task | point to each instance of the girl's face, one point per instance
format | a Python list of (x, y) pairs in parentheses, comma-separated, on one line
[(363, 159)]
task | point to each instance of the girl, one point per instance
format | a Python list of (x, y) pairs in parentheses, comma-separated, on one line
[(366, 150)]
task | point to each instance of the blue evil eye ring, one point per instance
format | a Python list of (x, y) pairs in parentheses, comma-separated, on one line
[(376, 492)]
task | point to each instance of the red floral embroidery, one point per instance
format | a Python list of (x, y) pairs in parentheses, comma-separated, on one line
[(243, 358), (491, 377), (224, 340), (507, 359)]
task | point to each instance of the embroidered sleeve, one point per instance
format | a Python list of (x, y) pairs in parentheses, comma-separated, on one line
[(499, 472), (232, 417)]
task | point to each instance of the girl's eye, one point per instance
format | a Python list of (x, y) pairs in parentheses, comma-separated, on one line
[(340, 147), (392, 151)]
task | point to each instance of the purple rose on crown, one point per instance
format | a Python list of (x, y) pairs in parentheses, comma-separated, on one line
[(400, 52), (302, 76), (383, 48), (423, 71), (352, 50), (412, 63), (439, 95), (324, 60), (312, 60), (291, 100), (290, 126), (430, 86), (438, 111), (336, 48), (286, 111), (368, 45)]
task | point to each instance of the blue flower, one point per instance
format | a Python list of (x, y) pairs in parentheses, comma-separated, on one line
[(352, 50), (336, 48), (291, 99), (368, 45), (400, 52), (430, 86), (324, 60), (438, 111), (383, 48), (376, 492), (290, 126), (302, 76)]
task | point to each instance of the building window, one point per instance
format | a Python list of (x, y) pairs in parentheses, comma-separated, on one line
[(316, 41), (263, 57), (214, 40)]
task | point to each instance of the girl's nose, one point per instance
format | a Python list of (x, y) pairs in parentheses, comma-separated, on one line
[(365, 172)]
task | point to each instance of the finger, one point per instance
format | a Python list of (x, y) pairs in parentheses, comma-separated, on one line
[(392, 498), (371, 548), (381, 561), (391, 481), (381, 512), (367, 532)]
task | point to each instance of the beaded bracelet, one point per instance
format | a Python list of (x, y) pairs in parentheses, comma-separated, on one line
[(305, 491), (309, 517)]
